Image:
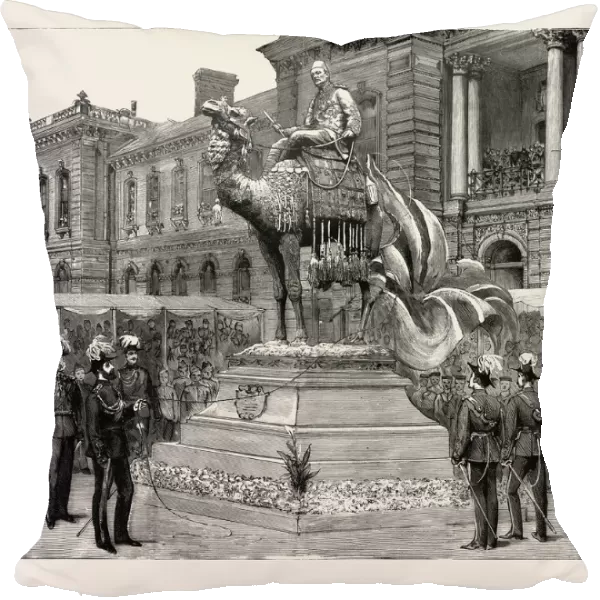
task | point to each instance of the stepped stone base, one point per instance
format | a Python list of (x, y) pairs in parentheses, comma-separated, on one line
[(347, 402)]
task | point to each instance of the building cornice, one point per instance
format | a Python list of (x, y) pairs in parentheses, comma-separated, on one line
[(74, 130)]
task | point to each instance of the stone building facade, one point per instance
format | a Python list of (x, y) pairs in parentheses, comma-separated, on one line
[(468, 121)]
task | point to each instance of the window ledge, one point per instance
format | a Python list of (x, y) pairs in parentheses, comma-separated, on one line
[(62, 231)]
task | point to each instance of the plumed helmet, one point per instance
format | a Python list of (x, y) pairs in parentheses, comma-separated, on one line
[(130, 342), (486, 366), (528, 373), (527, 360), (100, 350)]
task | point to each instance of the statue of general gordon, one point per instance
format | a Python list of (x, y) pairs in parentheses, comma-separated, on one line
[(333, 120)]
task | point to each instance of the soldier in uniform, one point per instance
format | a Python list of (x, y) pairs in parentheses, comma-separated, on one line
[(434, 386), (106, 415), (137, 385), (332, 116), (67, 407), (522, 453), (477, 443), (84, 388), (505, 390)]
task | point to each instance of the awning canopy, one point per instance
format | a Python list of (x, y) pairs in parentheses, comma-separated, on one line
[(530, 299), (149, 303)]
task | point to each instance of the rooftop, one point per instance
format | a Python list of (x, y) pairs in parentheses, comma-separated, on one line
[(159, 133)]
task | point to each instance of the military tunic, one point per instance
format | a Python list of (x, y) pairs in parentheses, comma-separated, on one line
[(137, 384), (523, 430), (67, 406), (106, 417), (334, 110), (478, 440)]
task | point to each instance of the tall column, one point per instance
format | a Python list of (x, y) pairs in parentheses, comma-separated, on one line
[(477, 65), (555, 40), (458, 173), (579, 37)]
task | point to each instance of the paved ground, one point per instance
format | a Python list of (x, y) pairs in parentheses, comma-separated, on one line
[(166, 536)]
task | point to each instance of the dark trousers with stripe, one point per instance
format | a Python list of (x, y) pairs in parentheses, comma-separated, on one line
[(121, 475), (531, 466), (61, 471), (486, 495)]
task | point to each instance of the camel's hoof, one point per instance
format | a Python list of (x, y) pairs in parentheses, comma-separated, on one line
[(299, 342)]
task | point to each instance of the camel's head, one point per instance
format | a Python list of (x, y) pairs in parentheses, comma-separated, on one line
[(230, 131)]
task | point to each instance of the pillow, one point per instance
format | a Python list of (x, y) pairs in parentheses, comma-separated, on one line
[(309, 310)]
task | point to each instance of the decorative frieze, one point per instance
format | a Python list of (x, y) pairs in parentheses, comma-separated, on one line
[(519, 228), (498, 217), (183, 247), (188, 143), (289, 67)]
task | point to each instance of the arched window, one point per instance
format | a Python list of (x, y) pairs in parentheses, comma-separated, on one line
[(208, 278), (130, 194), (130, 279), (504, 264), (241, 278), (178, 279), (179, 196), (62, 278), (63, 197), (207, 192), (368, 141), (154, 273), (153, 222), (44, 199), (540, 132)]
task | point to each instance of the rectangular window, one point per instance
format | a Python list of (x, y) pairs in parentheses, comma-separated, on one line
[(207, 190), (153, 198)]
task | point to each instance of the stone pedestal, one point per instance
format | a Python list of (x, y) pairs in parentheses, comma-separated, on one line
[(347, 402)]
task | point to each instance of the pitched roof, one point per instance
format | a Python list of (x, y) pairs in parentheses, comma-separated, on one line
[(159, 133)]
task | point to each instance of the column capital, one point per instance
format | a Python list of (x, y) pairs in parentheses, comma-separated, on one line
[(553, 38), (477, 64), (459, 63), (579, 34)]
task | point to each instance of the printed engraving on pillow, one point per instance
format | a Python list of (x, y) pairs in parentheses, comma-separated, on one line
[(398, 192)]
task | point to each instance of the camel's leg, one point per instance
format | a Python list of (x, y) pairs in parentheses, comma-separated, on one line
[(365, 313), (290, 250), (373, 230), (274, 261)]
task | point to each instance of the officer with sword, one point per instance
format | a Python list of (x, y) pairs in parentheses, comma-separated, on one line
[(106, 416), (477, 444), (522, 453)]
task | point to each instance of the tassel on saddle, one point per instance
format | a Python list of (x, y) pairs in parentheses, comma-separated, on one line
[(346, 263)]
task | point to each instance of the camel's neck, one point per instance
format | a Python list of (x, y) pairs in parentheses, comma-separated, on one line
[(240, 193)]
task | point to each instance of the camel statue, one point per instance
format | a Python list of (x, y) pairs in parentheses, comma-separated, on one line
[(411, 299), (289, 209)]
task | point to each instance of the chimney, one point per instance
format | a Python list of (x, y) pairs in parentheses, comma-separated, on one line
[(133, 108), (213, 85)]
